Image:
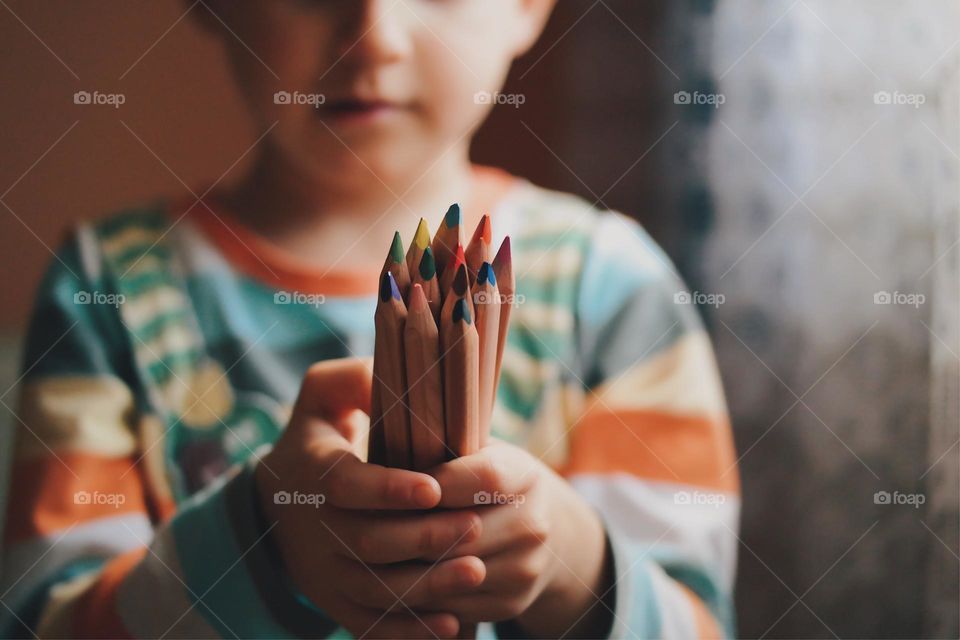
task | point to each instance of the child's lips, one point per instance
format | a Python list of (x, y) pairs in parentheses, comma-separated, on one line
[(355, 111)]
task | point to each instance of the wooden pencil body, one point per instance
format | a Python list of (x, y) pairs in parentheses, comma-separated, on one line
[(486, 302), (390, 372), (424, 384), (461, 366)]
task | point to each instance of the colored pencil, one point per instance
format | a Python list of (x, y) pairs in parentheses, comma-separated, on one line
[(396, 264), (426, 276), (450, 270), (486, 301), (480, 249), (503, 271), (389, 371), (461, 367), (448, 237), (424, 383), (421, 240)]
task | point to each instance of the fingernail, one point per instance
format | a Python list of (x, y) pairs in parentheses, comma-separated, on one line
[(424, 495)]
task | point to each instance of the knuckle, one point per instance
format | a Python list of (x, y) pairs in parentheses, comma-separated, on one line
[(427, 540), (537, 529), (490, 474)]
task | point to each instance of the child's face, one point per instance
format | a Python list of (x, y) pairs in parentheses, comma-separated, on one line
[(396, 79)]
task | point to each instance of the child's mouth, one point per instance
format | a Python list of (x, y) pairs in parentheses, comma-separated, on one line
[(357, 111)]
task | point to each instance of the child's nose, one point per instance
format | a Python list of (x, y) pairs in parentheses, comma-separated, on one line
[(378, 30)]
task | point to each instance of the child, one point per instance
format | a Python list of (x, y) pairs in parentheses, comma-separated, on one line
[(168, 343)]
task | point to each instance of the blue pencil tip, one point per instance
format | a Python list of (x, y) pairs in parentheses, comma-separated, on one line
[(454, 216), (486, 274)]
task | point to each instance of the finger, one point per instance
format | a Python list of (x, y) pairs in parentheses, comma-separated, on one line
[(498, 472), (362, 622), (349, 483), (384, 538), (413, 585), (331, 389), (502, 527)]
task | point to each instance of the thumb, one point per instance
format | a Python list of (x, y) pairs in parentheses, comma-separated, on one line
[(332, 389)]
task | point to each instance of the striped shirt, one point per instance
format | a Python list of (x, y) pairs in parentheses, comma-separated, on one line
[(167, 345)]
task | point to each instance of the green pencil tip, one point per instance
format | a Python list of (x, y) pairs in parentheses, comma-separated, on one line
[(461, 311), (454, 216), (428, 266), (396, 249)]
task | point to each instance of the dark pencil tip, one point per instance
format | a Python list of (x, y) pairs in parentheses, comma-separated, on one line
[(485, 274), (460, 281), (428, 266), (461, 311), (386, 286), (453, 216)]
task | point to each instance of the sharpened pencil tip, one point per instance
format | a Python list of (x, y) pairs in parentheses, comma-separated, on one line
[(396, 249), (486, 232), (485, 274), (422, 237), (428, 266), (460, 281), (461, 311), (454, 216), (388, 287), (503, 254), (418, 299)]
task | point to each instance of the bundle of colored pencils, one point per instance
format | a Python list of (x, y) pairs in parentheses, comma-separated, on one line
[(441, 325)]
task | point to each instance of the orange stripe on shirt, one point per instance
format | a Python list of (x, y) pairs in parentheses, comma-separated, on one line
[(49, 494), (657, 446), (707, 627), (96, 614)]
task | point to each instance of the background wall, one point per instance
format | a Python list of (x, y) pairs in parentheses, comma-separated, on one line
[(797, 199)]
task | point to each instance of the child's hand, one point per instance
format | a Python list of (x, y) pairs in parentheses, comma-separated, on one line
[(334, 546), (543, 546)]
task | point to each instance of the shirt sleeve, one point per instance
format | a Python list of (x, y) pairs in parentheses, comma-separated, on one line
[(89, 549), (653, 450)]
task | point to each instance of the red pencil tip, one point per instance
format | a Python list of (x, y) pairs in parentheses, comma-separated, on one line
[(457, 258), (503, 254)]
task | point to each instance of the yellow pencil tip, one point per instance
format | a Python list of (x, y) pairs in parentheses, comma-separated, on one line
[(422, 237)]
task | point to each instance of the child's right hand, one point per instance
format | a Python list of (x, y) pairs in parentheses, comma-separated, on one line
[(355, 554)]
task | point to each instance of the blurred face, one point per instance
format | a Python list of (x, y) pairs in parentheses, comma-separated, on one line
[(381, 85)]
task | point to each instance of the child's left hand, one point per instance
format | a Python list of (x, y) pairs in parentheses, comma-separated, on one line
[(544, 547)]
